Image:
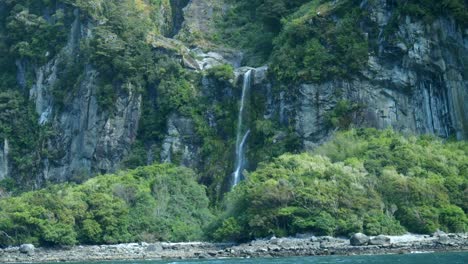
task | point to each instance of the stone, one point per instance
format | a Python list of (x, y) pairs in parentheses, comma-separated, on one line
[(380, 240), (275, 241), (443, 240), (153, 248), (261, 75), (402, 46), (11, 249), (27, 248), (439, 233), (359, 239)]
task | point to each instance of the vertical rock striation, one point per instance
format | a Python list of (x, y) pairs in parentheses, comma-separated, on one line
[(4, 149), (87, 139), (416, 82)]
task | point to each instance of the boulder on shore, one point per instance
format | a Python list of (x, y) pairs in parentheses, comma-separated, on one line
[(439, 233), (380, 240), (26, 248), (359, 239)]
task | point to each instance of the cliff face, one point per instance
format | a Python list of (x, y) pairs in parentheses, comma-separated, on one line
[(86, 140), (414, 81)]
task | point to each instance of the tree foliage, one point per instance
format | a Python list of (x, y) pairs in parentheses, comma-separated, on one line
[(376, 182), (159, 202)]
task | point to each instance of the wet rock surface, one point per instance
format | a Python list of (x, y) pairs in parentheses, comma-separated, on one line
[(26, 249), (275, 247), (380, 240), (359, 239)]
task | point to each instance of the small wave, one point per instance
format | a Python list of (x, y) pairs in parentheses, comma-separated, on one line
[(421, 252)]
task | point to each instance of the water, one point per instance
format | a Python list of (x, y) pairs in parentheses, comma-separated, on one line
[(426, 258), (241, 136)]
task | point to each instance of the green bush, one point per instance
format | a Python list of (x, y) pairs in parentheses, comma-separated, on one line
[(230, 230), (30, 35), (422, 220), (313, 48), (223, 72), (453, 219), (342, 114), (364, 185), (161, 200), (19, 126), (300, 193), (431, 9), (376, 223)]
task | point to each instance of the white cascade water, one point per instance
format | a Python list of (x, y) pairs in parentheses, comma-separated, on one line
[(241, 136)]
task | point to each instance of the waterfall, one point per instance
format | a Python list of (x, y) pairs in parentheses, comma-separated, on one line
[(241, 137)]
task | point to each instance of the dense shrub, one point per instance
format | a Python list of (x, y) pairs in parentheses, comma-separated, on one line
[(376, 182), (313, 48), (223, 72), (316, 40), (159, 202)]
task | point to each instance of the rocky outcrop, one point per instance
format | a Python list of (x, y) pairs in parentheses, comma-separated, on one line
[(177, 15), (359, 239), (380, 240), (88, 139), (180, 143), (415, 82), (4, 149), (199, 22), (278, 247), (27, 249)]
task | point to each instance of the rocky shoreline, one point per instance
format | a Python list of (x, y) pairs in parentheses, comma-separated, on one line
[(275, 247)]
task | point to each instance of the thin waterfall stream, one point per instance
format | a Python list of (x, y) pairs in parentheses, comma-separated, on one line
[(241, 135)]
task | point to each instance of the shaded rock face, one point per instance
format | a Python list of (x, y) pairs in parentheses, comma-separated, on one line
[(199, 21), (417, 84), (26, 248), (4, 149), (415, 81), (380, 240), (91, 141), (180, 143), (359, 239), (88, 139), (177, 15)]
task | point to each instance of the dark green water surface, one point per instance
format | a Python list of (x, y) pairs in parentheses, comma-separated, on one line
[(423, 258)]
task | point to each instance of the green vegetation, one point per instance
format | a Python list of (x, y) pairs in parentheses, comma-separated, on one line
[(120, 48), (223, 72), (342, 114), (36, 31), (301, 39), (313, 48), (431, 9), (376, 182), (32, 36), (317, 40), (18, 126), (159, 202), (253, 25), (120, 53), (361, 181)]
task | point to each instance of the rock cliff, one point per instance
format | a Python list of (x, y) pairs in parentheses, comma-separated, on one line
[(415, 81)]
